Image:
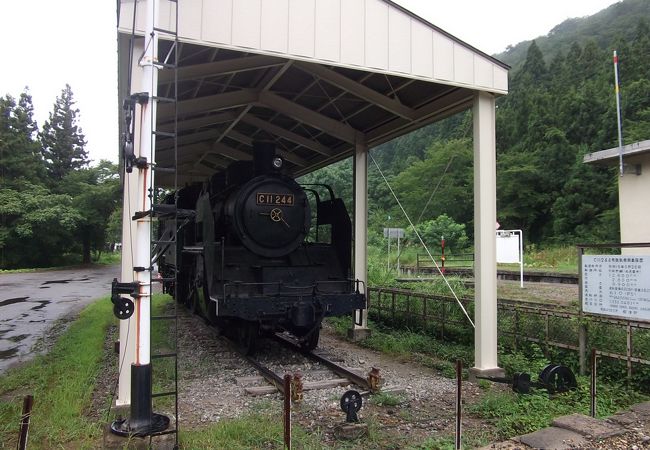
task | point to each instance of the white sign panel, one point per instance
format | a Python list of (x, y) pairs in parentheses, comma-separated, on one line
[(508, 248), (616, 285), (394, 232)]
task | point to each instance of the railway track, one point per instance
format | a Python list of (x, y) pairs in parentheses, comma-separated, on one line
[(344, 376)]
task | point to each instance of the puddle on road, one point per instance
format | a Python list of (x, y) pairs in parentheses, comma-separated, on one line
[(20, 337), (41, 304), (6, 354), (11, 301), (65, 281)]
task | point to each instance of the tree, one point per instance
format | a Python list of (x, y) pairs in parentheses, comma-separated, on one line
[(95, 194), (20, 158), (62, 139)]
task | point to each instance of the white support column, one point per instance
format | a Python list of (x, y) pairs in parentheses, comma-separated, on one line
[(360, 169), (485, 267), (129, 207)]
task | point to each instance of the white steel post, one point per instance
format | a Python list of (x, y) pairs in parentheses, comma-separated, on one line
[(142, 420), (129, 207), (485, 268), (361, 231)]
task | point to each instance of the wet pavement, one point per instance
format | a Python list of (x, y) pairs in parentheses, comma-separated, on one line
[(31, 302)]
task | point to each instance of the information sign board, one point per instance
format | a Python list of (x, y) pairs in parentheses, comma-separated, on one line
[(394, 233), (616, 285)]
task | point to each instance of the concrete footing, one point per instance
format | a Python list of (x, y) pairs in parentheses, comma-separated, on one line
[(358, 334), (351, 431), (475, 374)]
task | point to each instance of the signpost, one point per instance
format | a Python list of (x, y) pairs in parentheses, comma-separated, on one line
[(393, 233), (510, 250), (616, 285)]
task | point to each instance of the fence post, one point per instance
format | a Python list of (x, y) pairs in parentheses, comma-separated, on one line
[(28, 403), (582, 347), (287, 412), (629, 350)]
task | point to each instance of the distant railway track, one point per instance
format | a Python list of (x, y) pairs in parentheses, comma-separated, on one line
[(532, 277)]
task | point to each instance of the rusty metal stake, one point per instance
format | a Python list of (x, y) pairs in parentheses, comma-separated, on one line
[(287, 412), (592, 390), (297, 387), (459, 385), (374, 380), (28, 403)]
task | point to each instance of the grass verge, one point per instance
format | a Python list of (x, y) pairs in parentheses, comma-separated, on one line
[(61, 382)]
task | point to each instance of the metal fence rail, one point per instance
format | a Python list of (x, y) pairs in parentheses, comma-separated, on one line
[(549, 326)]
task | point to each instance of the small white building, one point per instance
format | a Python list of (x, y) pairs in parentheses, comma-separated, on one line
[(633, 190)]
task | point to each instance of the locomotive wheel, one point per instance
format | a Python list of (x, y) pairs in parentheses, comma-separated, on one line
[(311, 342), (247, 334), (560, 379)]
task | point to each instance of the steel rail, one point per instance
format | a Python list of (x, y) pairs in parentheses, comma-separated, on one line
[(334, 367)]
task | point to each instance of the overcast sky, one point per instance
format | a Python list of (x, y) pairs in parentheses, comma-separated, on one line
[(48, 43)]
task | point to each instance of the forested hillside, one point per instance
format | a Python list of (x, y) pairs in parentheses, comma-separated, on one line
[(561, 105)]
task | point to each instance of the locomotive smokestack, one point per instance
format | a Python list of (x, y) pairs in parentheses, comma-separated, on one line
[(263, 157)]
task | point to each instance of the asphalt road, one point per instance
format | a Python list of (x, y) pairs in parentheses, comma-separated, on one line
[(31, 302)]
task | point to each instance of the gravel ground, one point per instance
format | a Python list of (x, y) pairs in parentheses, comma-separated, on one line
[(208, 369)]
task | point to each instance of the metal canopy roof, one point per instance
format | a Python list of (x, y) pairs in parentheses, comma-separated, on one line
[(315, 76)]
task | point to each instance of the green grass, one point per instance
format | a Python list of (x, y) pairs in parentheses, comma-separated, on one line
[(514, 414), (61, 382)]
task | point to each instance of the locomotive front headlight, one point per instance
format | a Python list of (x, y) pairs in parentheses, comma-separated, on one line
[(277, 163)]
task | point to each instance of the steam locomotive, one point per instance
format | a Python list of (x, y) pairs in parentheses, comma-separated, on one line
[(247, 258)]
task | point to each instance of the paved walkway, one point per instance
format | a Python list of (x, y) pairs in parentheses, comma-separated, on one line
[(629, 429), (31, 302)]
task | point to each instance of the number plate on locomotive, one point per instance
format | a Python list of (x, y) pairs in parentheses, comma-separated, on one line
[(266, 198)]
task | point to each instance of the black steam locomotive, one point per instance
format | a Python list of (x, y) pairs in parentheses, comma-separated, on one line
[(247, 258)]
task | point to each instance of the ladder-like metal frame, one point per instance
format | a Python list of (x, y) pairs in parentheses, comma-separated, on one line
[(174, 52)]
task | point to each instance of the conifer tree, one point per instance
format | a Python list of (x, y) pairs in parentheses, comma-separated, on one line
[(62, 139), (20, 158)]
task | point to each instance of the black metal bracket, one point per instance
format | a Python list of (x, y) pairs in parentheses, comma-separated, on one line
[(123, 307), (128, 152)]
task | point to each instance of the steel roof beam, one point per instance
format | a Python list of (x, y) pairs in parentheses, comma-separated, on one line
[(199, 122), (287, 134), (294, 159), (357, 89), (225, 67), (312, 118), (208, 103)]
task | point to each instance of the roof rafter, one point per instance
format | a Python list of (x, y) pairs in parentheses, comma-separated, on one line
[(312, 118), (223, 67), (208, 103), (287, 134), (294, 159), (360, 90)]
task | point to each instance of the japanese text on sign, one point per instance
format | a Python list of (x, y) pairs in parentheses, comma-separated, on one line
[(616, 285)]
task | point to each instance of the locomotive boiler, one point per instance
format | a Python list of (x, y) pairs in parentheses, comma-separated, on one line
[(257, 253)]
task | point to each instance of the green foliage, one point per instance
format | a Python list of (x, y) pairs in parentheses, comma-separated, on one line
[(443, 226), (515, 414), (62, 139)]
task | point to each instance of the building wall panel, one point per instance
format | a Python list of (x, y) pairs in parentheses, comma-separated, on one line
[(328, 30), (443, 57), (246, 23), (399, 41), (302, 14), (483, 73), (463, 65), (376, 38), (353, 26), (275, 25), (191, 15), (421, 49), (216, 21)]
